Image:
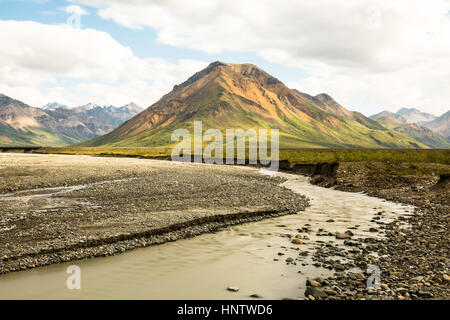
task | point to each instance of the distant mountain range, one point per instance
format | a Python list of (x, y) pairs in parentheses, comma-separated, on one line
[(402, 122), (56, 124), (222, 96), (243, 96), (415, 115), (440, 125), (54, 105)]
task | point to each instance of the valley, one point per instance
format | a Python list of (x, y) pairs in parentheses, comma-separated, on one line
[(269, 234)]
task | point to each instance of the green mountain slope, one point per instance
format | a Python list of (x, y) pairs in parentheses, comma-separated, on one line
[(244, 96)]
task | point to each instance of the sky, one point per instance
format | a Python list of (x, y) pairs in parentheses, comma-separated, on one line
[(369, 56)]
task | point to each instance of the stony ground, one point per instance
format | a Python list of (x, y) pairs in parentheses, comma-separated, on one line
[(87, 207), (56, 208), (413, 258)]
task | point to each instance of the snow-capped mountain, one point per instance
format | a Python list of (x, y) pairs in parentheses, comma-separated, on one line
[(54, 105)]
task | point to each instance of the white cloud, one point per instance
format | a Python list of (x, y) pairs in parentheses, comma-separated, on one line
[(384, 53), (43, 63), (76, 10)]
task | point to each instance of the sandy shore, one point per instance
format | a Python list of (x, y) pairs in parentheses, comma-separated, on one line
[(57, 208)]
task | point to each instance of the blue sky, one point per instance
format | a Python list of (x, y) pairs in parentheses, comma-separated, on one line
[(142, 42), (369, 58)]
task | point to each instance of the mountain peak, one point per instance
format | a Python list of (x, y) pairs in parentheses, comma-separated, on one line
[(324, 97), (54, 106), (225, 95), (385, 113), (391, 116), (415, 115), (245, 69), (132, 107), (86, 107), (406, 110)]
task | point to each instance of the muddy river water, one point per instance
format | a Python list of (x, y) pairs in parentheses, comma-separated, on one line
[(250, 256)]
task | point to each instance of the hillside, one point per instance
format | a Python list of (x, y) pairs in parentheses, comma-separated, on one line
[(415, 115), (396, 122), (243, 96), (440, 125), (56, 125)]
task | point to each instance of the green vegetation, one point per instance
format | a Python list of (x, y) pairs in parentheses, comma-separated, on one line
[(291, 155), (108, 151), (407, 171), (230, 97), (362, 155), (32, 137)]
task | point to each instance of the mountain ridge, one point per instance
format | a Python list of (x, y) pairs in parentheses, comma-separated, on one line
[(415, 115), (396, 122), (244, 96), (440, 125), (57, 125)]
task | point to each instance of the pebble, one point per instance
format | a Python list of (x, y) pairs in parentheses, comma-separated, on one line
[(343, 236)]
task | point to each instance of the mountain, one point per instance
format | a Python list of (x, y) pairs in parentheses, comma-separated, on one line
[(388, 115), (243, 96), (57, 125), (131, 108), (20, 124), (440, 125), (396, 122), (53, 106), (415, 115), (86, 107), (94, 120)]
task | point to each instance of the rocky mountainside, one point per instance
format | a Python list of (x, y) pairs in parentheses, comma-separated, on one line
[(396, 122), (54, 105), (440, 125), (243, 96), (415, 115), (55, 124)]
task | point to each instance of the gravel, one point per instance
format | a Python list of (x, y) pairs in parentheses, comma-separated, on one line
[(413, 256), (57, 208)]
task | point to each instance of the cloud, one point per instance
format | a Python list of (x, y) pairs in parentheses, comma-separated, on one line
[(387, 53), (43, 63), (76, 10)]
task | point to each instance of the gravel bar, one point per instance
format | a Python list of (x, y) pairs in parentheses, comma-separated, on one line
[(58, 208)]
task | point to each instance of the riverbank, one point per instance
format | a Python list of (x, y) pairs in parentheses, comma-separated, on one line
[(267, 259), (413, 256), (58, 208), (411, 251)]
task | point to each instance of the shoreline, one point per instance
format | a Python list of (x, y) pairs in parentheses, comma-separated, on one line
[(413, 261), (428, 279), (136, 216), (104, 247)]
